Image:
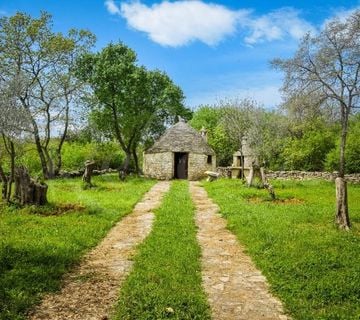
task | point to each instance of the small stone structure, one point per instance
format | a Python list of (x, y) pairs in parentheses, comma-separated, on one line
[(181, 153), (243, 161)]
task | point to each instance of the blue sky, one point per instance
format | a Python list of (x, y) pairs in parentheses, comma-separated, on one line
[(212, 49)]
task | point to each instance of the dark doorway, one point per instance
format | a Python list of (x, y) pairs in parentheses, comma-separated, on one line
[(180, 165)]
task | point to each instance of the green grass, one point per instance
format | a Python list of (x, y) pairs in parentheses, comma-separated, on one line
[(311, 265), (166, 280), (37, 246)]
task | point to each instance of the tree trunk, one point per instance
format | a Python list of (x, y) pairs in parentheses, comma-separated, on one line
[(125, 167), (136, 161), (344, 129), (250, 177), (89, 167), (4, 180), (40, 150), (49, 164), (8, 182), (266, 184), (27, 190), (342, 214), (58, 164), (12, 170)]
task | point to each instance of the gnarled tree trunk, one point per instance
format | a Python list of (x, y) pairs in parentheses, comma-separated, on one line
[(342, 214), (27, 190), (266, 184), (89, 167), (4, 180)]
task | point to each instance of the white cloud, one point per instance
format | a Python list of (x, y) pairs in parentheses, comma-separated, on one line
[(277, 25), (178, 23), (181, 22), (112, 7)]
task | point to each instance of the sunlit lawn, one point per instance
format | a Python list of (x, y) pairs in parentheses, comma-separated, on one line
[(312, 266), (37, 246), (166, 279)]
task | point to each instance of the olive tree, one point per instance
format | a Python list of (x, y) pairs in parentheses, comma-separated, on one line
[(44, 61), (132, 102), (328, 65), (13, 124)]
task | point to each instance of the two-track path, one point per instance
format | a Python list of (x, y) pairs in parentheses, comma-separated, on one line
[(91, 290), (235, 288)]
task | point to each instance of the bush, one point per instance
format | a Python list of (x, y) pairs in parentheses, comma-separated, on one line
[(308, 152), (352, 151), (106, 155)]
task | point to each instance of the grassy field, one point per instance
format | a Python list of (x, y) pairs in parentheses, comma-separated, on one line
[(166, 280), (313, 267), (38, 246)]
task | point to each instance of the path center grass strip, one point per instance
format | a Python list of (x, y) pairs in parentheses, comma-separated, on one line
[(38, 245), (311, 265), (166, 280)]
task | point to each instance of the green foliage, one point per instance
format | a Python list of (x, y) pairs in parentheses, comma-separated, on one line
[(133, 103), (308, 152), (352, 151), (74, 154), (166, 272), (37, 64), (209, 117), (106, 155), (38, 245), (310, 264)]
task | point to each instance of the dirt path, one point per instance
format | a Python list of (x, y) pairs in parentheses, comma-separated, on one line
[(235, 288), (91, 290)]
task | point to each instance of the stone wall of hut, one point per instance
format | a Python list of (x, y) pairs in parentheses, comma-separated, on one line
[(198, 165), (159, 165)]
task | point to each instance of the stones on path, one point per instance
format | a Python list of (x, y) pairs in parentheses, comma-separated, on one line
[(91, 289), (235, 288)]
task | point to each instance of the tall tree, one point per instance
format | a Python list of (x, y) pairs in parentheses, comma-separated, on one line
[(246, 122), (132, 102), (328, 64), (13, 124), (43, 60)]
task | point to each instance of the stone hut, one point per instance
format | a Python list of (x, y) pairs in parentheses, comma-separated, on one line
[(181, 153)]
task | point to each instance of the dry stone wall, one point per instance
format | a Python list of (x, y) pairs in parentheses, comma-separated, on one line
[(198, 165), (305, 175), (159, 165), (297, 175)]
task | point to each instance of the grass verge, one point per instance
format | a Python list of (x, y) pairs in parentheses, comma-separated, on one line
[(38, 245), (166, 279), (311, 265)]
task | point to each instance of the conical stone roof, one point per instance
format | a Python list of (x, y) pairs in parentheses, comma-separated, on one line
[(181, 138)]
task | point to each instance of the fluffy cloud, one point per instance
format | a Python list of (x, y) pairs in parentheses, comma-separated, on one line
[(181, 22), (277, 25), (178, 23)]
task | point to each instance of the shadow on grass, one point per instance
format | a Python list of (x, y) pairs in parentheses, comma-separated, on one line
[(27, 272)]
